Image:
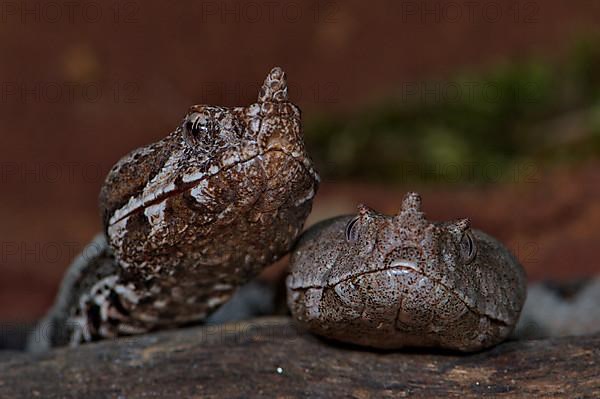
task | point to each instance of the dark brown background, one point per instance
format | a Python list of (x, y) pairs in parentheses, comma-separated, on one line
[(84, 84)]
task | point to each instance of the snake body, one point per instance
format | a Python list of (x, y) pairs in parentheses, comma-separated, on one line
[(187, 220)]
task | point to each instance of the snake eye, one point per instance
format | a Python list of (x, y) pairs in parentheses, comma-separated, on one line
[(197, 126), (190, 127), (468, 249), (351, 231)]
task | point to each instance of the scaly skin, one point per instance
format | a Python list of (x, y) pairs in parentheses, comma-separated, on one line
[(402, 281), (189, 219)]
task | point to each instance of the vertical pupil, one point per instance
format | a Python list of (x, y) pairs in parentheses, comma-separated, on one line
[(466, 245), (350, 233), (193, 126)]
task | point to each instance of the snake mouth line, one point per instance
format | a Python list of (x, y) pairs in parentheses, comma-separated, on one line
[(406, 266), (186, 186)]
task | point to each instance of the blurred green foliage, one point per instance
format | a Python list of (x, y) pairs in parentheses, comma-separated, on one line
[(475, 128)]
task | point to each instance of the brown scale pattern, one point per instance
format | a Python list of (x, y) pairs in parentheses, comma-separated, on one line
[(190, 218)]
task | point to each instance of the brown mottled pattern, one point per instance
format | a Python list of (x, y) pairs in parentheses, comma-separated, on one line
[(190, 218), (398, 281)]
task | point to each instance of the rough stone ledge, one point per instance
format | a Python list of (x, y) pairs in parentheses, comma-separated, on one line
[(270, 357)]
